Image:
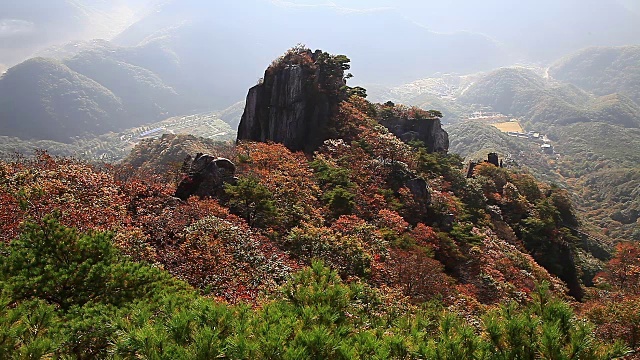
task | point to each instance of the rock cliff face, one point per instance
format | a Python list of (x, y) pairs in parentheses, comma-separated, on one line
[(429, 131), (294, 103)]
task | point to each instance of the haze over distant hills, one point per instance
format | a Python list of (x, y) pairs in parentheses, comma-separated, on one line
[(193, 56), (529, 31), (31, 25), (221, 45), (44, 99), (522, 93), (603, 70)]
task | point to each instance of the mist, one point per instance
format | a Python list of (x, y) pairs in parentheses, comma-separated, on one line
[(146, 60), (531, 30)]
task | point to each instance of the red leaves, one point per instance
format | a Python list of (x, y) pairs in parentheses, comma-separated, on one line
[(425, 236), (287, 176), (87, 197), (420, 276), (623, 270), (391, 220)]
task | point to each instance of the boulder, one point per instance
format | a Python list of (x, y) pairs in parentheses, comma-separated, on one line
[(419, 188), (205, 176)]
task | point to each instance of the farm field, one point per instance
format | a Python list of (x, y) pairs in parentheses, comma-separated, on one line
[(509, 126)]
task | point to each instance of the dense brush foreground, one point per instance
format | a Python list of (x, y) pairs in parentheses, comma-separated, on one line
[(309, 256)]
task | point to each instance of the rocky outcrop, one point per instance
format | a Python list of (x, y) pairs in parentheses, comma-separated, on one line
[(206, 176), (419, 188), (163, 156), (294, 103), (429, 131)]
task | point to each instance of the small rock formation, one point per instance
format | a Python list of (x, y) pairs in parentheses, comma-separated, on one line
[(419, 188), (294, 103), (492, 158), (401, 176), (206, 176), (429, 131)]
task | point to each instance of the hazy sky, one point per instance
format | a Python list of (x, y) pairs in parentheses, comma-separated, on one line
[(29, 25), (480, 15)]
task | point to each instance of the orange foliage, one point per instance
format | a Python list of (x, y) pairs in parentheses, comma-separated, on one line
[(288, 177), (420, 276), (86, 196), (623, 270)]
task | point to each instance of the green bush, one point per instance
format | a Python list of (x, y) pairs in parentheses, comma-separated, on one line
[(147, 314)]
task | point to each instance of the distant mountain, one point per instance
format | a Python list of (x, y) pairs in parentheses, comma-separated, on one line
[(539, 31), (144, 95), (602, 164), (616, 109), (217, 42), (233, 114), (32, 25), (523, 93), (138, 81), (44, 99), (603, 70), (473, 140)]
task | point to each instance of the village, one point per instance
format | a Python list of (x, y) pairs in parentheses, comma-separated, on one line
[(114, 146), (512, 127), (206, 125)]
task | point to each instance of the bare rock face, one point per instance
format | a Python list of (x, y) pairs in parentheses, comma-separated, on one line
[(419, 188), (295, 102), (429, 131), (293, 105), (206, 176)]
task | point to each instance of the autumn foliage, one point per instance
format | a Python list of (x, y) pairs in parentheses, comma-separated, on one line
[(334, 250)]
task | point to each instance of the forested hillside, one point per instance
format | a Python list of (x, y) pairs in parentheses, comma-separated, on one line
[(601, 162), (527, 95), (44, 99), (143, 93), (364, 247), (603, 70), (596, 162), (99, 90)]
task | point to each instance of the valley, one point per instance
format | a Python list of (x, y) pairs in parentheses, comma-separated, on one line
[(114, 147), (559, 114)]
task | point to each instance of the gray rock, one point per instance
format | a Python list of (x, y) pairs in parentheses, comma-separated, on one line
[(429, 131), (419, 188), (288, 107), (206, 176)]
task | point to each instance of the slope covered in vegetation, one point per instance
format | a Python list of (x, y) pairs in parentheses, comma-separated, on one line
[(407, 273), (603, 70), (593, 161), (541, 102), (144, 95), (601, 164), (44, 99)]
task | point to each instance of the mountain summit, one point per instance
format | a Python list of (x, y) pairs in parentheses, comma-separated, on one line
[(295, 101)]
